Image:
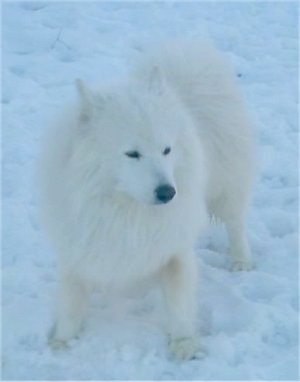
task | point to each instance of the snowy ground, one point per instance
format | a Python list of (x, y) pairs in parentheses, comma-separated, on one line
[(249, 320)]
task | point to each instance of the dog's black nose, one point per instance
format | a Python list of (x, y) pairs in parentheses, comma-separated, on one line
[(165, 193)]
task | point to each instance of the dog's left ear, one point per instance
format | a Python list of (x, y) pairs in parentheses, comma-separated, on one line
[(85, 99), (156, 81)]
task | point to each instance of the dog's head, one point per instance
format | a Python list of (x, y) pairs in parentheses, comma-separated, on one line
[(136, 133)]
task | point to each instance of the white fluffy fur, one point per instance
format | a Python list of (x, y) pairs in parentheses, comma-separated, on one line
[(99, 205)]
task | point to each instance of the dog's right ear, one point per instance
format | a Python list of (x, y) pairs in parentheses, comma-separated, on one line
[(85, 99)]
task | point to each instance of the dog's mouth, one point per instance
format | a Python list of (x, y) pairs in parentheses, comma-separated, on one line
[(159, 203)]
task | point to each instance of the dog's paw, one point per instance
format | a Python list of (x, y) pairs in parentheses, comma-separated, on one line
[(58, 344), (186, 348), (55, 342), (242, 265)]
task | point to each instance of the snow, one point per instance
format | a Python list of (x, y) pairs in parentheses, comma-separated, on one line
[(248, 321)]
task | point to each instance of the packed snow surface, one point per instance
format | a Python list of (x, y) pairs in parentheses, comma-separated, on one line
[(248, 321)]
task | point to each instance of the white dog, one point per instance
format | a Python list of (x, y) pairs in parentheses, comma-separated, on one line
[(131, 174)]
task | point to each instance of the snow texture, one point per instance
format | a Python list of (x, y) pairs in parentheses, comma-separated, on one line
[(248, 321)]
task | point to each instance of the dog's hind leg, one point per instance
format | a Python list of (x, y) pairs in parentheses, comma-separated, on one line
[(179, 281), (231, 209), (70, 311), (239, 249)]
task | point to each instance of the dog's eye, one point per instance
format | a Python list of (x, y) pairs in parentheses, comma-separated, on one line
[(167, 150), (133, 154)]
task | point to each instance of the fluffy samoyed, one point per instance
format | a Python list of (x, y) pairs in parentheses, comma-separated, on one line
[(131, 175)]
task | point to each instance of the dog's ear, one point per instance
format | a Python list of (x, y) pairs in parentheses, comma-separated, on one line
[(156, 82), (85, 99)]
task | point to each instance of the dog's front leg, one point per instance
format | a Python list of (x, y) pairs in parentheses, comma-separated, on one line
[(179, 283), (71, 307)]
